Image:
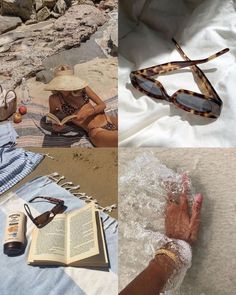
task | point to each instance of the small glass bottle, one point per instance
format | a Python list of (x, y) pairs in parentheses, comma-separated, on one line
[(24, 92), (14, 241)]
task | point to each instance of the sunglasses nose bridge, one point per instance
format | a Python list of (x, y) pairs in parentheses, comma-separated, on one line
[(216, 109), (41, 219)]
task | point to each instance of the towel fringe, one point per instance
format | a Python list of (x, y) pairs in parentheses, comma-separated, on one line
[(67, 183), (82, 196), (48, 156)]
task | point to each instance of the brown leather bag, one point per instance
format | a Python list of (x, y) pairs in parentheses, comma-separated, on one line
[(8, 103)]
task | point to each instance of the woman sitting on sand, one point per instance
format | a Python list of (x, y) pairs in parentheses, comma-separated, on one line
[(73, 96)]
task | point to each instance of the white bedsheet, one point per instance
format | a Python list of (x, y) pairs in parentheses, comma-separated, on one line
[(202, 28)]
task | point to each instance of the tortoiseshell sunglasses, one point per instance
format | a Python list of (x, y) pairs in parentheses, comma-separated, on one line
[(43, 219), (207, 104)]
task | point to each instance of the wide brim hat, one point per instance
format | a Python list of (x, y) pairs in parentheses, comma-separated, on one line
[(65, 80)]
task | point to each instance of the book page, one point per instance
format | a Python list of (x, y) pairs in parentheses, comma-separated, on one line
[(101, 237), (101, 259), (53, 118), (48, 243), (82, 234), (68, 118)]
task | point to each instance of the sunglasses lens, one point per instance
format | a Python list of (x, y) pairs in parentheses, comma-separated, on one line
[(194, 102), (42, 219), (148, 86)]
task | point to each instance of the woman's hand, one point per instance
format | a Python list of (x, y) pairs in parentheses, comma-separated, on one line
[(57, 128), (178, 222)]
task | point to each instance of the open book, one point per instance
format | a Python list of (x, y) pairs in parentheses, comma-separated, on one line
[(51, 117), (75, 238)]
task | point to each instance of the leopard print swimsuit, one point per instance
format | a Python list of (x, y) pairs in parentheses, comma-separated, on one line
[(68, 110)]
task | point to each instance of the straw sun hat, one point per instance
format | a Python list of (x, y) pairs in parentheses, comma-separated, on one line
[(65, 80)]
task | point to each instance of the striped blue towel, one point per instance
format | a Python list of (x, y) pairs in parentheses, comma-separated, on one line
[(15, 163), (53, 280), (7, 134)]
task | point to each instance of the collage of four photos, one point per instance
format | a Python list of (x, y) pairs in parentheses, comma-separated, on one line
[(117, 147)]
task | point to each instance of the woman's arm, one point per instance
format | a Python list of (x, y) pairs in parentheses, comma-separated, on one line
[(100, 105), (54, 105), (153, 279)]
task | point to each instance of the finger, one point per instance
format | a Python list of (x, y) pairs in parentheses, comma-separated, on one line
[(183, 195), (185, 183), (183, 201), (195, 219), (170, 204)]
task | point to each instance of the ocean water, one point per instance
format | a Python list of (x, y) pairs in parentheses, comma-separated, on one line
[(143, 185)]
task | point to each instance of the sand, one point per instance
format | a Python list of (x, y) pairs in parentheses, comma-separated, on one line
[(214, 256), (94, 169)]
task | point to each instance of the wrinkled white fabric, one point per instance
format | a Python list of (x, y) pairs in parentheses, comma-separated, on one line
[(202, 28)]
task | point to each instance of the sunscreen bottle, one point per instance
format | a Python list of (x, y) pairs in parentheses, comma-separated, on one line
[(14, 241)]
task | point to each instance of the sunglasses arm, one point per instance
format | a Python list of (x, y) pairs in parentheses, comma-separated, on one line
[(50, 199), (176, 65), (180, 50), (27, 210), (202, 81)]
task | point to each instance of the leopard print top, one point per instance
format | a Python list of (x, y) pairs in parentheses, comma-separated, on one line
[(68, 109)]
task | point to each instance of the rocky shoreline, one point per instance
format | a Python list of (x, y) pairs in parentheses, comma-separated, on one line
[(33, 11), (24, 49)]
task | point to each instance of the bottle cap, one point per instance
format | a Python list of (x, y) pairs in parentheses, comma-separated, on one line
[(13, 248)]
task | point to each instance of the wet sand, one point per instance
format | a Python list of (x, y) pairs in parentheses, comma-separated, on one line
[(214, 256), (95, 170)]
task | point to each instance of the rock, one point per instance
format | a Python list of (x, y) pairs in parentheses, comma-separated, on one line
[(68, 3), (55, 15), (101, 74), (22, 8), (113, 41), (43, 14), (44, 76), (38, 5), (108, 5), (60, 7), (78, 23), (88, 2), (32, 45), (31, 22), (33, 19), (80, 54), (49, 3), (5, 48), (8, 23), (109, 41)]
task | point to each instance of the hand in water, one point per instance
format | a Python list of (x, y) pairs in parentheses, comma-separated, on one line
[(179, 224)]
